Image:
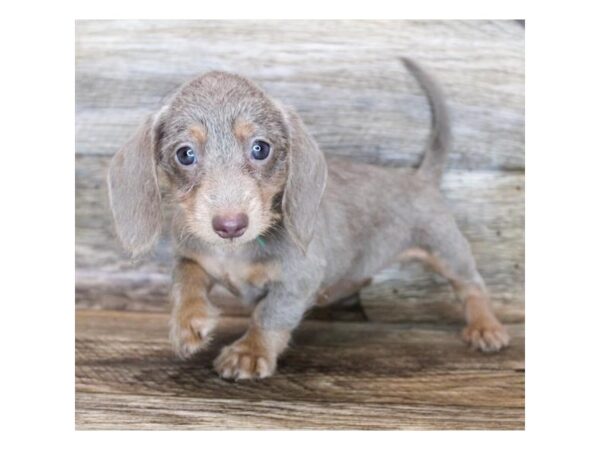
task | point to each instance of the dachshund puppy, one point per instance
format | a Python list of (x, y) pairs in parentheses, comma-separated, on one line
[(261, 212)]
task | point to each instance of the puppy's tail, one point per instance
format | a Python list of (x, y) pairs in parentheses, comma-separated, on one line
[(436, 153)]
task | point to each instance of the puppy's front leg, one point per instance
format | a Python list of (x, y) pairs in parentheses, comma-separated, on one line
[(255, 354), (192, 317)]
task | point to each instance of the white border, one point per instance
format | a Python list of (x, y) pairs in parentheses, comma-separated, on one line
[(562, 223)]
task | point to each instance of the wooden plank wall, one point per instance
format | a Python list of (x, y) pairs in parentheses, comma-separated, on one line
[(345, 79)]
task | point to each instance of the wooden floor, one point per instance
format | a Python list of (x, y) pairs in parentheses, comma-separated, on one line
[(343, 374)]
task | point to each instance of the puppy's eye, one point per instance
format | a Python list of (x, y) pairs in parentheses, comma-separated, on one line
[(260, 150), (186, 156)]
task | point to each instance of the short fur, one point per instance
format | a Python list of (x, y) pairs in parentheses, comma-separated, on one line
[(318, 230)]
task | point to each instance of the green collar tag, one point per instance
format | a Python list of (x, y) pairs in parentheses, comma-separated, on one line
[(261, 242)]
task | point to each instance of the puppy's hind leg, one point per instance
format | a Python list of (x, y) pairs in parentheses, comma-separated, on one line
[(193, 317), (447, 251)]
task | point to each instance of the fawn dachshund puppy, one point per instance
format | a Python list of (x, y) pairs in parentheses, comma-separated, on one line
[(260, 211)]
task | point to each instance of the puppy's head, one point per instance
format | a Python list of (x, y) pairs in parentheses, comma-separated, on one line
[(237, 164)]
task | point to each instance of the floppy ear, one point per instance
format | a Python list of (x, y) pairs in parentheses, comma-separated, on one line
[(306, 180), (133, 191)]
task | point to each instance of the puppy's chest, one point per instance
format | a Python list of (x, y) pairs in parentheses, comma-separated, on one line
[(248, 280)]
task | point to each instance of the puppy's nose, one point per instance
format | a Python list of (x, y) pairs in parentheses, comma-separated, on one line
[(230, 226)]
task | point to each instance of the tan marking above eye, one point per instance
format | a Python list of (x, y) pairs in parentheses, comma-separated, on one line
[(243, 129), (199, 133)]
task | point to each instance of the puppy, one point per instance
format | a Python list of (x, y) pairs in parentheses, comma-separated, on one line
[(260, 211)]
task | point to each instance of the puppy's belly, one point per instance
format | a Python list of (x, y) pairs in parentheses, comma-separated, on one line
[(339, 290)]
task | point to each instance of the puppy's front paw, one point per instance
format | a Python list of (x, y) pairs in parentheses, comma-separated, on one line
[(243, 360), (487, 335), (190, 333)]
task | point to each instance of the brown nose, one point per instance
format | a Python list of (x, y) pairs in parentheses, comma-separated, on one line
[(230, 226)]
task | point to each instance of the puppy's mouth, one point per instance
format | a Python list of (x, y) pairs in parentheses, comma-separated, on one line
[(232, 240), (231, 243)]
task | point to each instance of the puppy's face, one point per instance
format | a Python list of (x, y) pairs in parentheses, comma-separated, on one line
[(237, 165), (223, 145)]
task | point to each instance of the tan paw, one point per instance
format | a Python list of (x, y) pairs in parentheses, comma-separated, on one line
[(486, 335), (241, 361), (191, 333)]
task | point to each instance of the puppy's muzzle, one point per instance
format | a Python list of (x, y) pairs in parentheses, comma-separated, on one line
[(230, 226)]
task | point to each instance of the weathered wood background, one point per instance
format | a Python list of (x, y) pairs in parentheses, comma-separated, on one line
[(347, 82)]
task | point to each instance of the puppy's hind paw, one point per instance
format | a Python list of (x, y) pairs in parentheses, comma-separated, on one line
[(190, 334), (487, 336)]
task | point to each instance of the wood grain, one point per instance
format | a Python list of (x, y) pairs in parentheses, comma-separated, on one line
[(137, 412), (335, 376), (344, 77)]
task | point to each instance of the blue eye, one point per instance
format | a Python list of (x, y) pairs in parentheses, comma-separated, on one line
[(260, 150), (186, 155)]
